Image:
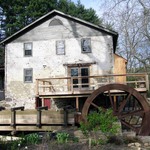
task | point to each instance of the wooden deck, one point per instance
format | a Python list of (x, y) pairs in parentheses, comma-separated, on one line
[(64, 87), (18, 119)]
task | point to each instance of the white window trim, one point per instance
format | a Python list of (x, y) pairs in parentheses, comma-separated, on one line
[(60, 46), (89, 44), (28, 49), (25, 69)]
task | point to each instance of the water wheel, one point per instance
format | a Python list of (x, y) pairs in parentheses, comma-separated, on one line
[(128, 105)]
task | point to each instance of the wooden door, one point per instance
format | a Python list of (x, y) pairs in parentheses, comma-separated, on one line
[(47, 102)]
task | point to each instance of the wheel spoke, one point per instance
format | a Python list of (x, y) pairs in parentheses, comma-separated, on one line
[(124, 103), (94, 105), (130, 126), (111, 101), (136, 113)]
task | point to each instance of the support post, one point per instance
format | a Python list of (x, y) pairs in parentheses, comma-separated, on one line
[(37, 87), (13, 115), (65, 117), (39, 115), (38, 119), (77, 103), (13, 119), (115, 103), (71, 84), (147, 82)]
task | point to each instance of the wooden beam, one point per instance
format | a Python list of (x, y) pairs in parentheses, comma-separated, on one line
[(77, 103), (115, 103), (37, 87)]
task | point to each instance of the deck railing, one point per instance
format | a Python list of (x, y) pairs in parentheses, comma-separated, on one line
[(71, 85)]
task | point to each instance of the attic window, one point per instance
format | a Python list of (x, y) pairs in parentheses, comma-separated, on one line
[(55, 22), (27, 49)]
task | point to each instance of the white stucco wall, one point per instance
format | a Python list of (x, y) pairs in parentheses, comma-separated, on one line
[(46, 63)]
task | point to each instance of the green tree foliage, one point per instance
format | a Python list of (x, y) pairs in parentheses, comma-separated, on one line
[(19, 13)]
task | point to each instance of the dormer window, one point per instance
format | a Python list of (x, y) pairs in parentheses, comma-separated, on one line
[(86, 45), (55, 22), (27, 49)]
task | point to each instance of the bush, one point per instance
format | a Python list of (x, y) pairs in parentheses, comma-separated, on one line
[(62, 137), (100, 126), (24, 141), (101, 120)]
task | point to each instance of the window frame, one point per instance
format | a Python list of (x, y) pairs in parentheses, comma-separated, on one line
[(60, 47), (89, 45), (25, 55), (80, 80), (26, 69)]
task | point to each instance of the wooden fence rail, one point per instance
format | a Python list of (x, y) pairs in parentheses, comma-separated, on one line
[(34, 120), (67, 85)]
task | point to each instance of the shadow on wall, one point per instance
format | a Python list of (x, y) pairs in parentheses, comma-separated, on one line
[(61, 103), (2, 95)]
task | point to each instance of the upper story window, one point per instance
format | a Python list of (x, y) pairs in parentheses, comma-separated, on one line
[(86, 45), (28, 49), (60, 47), (28, 75)]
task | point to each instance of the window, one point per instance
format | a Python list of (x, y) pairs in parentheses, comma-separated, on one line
[(81, 72), (27, 49), (86, 45), (55, 22), (60, 47), (28, 75)]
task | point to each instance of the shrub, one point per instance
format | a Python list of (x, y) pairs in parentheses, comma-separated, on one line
[(101, 120), (62, 137), (31, 138)]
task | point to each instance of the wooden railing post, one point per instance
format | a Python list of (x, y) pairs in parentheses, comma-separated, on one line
[(147, 82), (39, 115), (13, 115), (44, 83), (13, 119), (71, 84), (37, 87)]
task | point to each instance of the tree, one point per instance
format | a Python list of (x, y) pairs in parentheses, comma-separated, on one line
[(132, 20), (16, 14), (19, 13)]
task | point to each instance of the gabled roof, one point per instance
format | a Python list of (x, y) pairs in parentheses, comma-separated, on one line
[(56, 12), (121, 57)]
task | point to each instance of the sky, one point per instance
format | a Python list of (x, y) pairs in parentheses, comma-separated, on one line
[(95, 4)]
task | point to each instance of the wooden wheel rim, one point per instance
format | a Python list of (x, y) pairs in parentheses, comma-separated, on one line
[(144, 104)]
